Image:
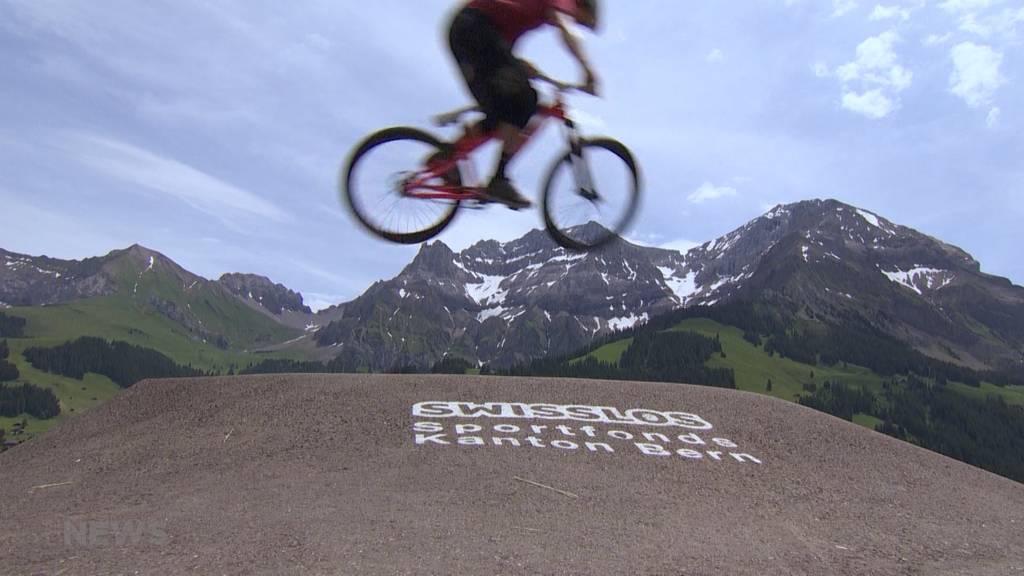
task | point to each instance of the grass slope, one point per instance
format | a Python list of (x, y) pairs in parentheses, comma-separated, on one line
[(214, 309), (120, 318), (754, 367), (75, 396), (129, 317)]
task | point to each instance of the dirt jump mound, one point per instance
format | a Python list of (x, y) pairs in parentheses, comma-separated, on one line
[(464, 475)]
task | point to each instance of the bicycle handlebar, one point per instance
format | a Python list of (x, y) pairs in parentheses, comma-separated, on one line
[(453, 117), (565, 86)]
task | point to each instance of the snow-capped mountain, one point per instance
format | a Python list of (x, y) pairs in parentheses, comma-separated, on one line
[(507, 302), (37, 280), (504, 303)]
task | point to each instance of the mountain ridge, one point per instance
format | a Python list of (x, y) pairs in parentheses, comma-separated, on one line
[(504, 303), (826, 257)]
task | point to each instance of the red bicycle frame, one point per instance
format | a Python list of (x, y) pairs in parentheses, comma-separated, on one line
[(419, 187)]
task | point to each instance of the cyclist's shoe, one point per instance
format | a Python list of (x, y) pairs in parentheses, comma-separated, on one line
[(501, 190)]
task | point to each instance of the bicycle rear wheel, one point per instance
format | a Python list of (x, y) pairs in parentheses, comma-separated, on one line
[(591, 198), (373, 185)]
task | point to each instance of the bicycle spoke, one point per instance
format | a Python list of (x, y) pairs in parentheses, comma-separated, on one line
[(376, 193), (606, 175)]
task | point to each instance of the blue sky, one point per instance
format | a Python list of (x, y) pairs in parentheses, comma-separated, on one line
[(213, 130)]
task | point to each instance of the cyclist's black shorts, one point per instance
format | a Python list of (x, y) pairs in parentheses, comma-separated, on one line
[(495, 77)]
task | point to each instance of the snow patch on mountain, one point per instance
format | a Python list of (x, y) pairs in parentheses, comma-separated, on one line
[(777, 212), (489, 313), (871, 218), (567, 257), (683, 288), (488, 291), (624, 322), (919, 276)]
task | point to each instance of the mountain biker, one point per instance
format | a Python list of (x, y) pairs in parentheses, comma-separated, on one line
[(482, 37)]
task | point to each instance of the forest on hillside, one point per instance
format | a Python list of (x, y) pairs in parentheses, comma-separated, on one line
[(650, 357), (986, 433), (24, 398), (125, 364), (11, 326), (849, 337)]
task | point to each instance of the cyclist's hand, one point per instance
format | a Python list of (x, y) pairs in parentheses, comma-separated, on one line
[(443, 120), (530, 69), (591, 84)]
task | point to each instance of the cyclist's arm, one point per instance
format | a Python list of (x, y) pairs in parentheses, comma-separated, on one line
[(572, 43), (534, 72), (453, 116)]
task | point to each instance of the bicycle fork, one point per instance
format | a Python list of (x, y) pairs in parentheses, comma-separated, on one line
[(580, 168)]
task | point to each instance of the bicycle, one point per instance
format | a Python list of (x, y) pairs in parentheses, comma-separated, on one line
[(420, 193)]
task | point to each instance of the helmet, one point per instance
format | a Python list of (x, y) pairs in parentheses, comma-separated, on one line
[(594, 7)]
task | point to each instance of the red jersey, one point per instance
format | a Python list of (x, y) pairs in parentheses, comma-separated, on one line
[(513, 18)]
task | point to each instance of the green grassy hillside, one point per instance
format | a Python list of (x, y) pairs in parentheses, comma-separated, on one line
[(121, 318), (192, 302), (159, 307), (754, 368)]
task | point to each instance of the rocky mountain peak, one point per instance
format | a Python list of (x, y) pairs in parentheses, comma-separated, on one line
[(140, 256), (432, 256), (503, 302), (275, 298)]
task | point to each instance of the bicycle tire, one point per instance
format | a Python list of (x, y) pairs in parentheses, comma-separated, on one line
[(560, 236), (364, 215)]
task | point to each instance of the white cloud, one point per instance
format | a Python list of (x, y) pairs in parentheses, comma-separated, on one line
[(976, 75), (961, 6), (681, 245), (870, 83), (317, 301), (146, 170), (842, 7), (873, 103), (709, 191), (992, 120), (876, 63), (969, 23), (889, 12), (935, 39), (716, 55), (1000, 25)]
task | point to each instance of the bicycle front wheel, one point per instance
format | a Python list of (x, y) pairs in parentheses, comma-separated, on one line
[(590, 198), (373, 185)]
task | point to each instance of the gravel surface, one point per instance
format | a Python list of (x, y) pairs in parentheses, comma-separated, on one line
[(322, 475)]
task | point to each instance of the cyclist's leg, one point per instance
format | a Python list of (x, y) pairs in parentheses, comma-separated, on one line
[(472, 43), (515, 103), (494, 76), (500, 84)]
